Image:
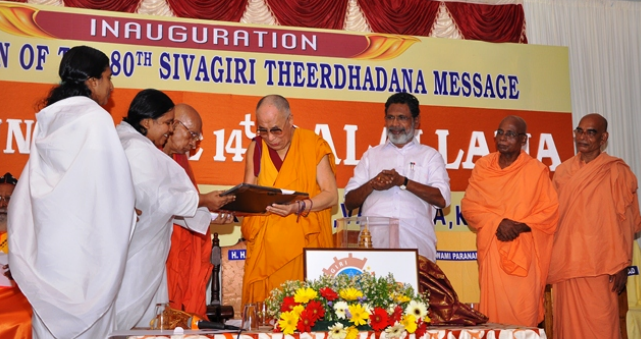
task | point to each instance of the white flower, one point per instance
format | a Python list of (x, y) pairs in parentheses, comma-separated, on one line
[(337, 331), (395, 331), (368, 308), (390, 309), (416, 308), (340, 308)]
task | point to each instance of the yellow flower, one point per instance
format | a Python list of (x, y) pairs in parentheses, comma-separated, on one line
[(359, 314), (409, 323), (350, 294), (288, 321), (427, 319), (399, 298), (352, 332), (304, 295), (298, 309)]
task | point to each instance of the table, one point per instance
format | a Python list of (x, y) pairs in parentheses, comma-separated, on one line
[(486, 331)]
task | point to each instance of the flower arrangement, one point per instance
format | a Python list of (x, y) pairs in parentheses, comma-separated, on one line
[(345, 305)]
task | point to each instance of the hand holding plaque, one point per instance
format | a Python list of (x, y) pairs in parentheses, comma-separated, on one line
[(254, 199), (215, 200)]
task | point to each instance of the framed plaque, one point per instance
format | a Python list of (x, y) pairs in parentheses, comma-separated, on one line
[(402, 263), (254, 199)]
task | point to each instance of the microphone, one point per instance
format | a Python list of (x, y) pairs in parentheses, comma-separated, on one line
[(195, 323)]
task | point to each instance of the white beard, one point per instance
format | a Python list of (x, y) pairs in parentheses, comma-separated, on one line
[(402, 138)]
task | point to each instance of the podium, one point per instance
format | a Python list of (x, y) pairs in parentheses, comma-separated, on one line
[(367, 232)]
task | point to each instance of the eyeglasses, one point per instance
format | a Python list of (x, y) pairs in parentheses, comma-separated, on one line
[(5, 198), (194, 135), (508, 134), (400, 118), (590, 132), (275, 131)]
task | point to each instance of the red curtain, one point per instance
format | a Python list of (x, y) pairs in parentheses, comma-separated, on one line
[(410, 17), (107, 5), (223, 10), (493, 23), (310, 13)]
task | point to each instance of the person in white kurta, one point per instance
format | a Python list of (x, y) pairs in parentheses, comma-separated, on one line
[(72, 213), (163, 191), (402, 179)]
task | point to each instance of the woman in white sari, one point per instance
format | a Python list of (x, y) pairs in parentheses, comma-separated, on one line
[(163, 191), (72, 212)]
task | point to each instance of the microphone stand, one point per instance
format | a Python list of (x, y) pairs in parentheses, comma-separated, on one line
[(215, 311)]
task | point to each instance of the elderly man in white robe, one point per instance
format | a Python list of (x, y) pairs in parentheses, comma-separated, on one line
[(72, 213), (163, 191)]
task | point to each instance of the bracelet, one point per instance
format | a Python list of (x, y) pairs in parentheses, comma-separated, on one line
[(311, 204), (301, 208)]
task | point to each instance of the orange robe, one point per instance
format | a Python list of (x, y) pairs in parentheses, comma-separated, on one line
[(15, 310), (274, 243), (188, 264), (512, 274), (599, 214)]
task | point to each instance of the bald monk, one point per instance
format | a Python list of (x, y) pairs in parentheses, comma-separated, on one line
[(284, 156), (511, 204), (599, 214), (188, 264)]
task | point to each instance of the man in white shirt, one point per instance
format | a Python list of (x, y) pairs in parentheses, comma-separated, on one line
[(402, 179), (406, 180)]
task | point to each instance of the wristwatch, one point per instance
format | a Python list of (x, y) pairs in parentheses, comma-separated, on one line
[(404, 185)]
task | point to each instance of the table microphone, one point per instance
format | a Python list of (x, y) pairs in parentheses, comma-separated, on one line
[(195, 323)]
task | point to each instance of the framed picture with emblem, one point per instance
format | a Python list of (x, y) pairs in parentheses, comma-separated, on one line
[(331, 261)]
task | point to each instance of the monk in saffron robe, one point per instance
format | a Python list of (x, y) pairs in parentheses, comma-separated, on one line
[(599, 214), (15, 310), (511, 204), (295, 159), (188, 264)]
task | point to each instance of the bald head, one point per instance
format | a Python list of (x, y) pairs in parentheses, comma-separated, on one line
[(510, 139), (188, 130), (598, 120), (275, 123), (277, 101), (188, 115), (519, 123), (591, 136)]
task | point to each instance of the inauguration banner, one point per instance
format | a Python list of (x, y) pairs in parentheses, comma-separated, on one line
[(336, 82)]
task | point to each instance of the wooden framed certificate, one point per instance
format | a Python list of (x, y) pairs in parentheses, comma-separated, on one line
[(254, 199)]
